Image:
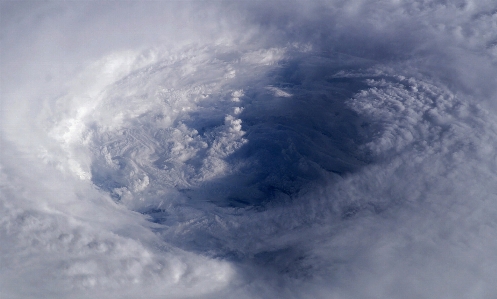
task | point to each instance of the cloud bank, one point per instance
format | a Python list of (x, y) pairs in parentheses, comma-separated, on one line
[(187, 149)]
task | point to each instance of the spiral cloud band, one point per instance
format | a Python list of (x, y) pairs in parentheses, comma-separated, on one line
[(248, 149)]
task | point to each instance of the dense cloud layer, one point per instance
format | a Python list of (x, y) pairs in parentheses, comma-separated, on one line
[(180, 149)]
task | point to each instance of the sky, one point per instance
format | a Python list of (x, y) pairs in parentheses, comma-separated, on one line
[(248, 149)]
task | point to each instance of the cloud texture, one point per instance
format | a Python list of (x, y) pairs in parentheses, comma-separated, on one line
[(197, 149)]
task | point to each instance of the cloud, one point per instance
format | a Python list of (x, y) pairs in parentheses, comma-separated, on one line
[(334, 149)]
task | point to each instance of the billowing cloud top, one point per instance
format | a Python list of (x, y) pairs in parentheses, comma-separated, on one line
[(198, 149)]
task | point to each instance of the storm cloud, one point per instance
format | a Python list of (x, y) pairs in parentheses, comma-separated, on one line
[(220, 149)]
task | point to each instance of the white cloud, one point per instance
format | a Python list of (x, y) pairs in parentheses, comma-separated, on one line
[(341, 149)]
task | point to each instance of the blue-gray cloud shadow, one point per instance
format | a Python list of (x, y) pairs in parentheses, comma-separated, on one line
[(297, 140)]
